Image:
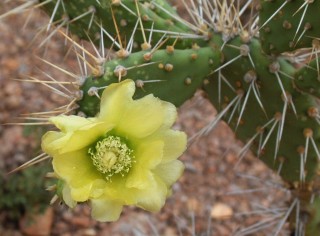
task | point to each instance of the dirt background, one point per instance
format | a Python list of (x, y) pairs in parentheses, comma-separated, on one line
[(217, 195)]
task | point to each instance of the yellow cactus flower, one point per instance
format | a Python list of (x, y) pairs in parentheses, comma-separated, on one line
[(126, 155)]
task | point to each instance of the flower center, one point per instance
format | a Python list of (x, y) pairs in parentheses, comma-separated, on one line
[(111, 156)]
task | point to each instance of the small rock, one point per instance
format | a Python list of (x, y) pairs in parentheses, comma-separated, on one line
[(81, 221), (170, 232), (221, 211), (193, 205), (89, 232)]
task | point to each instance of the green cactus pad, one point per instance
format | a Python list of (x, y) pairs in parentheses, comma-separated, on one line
[(86, 18), (288, 25), (313, 224), (172, 76), (308, 78), (281, 145)]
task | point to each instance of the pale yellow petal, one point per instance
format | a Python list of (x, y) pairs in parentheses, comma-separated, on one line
[(94, 189), (139, 179), (147, 156), (77, 170), (153, 198), (142, 118), (116, 189), (115, 99), (70, 123), (134, 118), (82, 193), (105, 210), (52, 141), (85, 136), (55, 143), (170, 114), (175, 143), (169, 172), (67, 198)]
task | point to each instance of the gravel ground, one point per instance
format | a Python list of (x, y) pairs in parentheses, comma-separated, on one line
[(217, 195)]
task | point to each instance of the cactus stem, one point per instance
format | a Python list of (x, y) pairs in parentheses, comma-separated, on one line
[(284, 93), (251, 77), (273, 15), (308, 133), (140, 23), (93, 91), (101, 55), (249, 143), (177, 35), (140, 83), (244, 105), (302, 168), (114, 41), (281, 162), (209, 127), (240, 94), (313, 112), (175, 17), (227, 63), (131, 40), (276, 120), (254, 87), (117, 31), (302, 17), (119, 3), (280, 130), (221, 77), (91, 10), (306, 28)]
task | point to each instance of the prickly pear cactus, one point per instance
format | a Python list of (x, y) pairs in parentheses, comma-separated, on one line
[(292, 19), (257, 62)]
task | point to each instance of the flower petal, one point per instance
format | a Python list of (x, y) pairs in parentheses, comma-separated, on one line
[(169, 172), (85, 136), (147, 156), (58, 143), (153, 198), (170, 114), (52, 141), (134, 118), (115, 99), (81, 194), (175, 143), (77, 170), (105, 210), (70, 123), (67, 198), (91, 190), (142, 118)]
